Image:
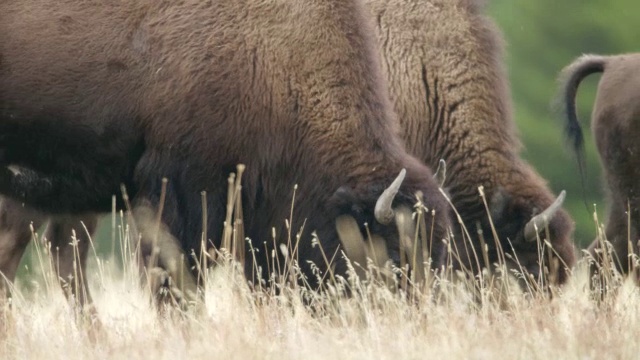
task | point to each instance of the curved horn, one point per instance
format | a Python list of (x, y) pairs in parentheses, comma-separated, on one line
[(542, 220), (383, 210), (441, 173)]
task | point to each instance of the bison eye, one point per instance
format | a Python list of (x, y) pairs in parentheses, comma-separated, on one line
[(357, 210)]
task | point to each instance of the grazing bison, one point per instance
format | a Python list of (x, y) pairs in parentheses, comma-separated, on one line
[(94, 94), (443, 61), (614, 119)]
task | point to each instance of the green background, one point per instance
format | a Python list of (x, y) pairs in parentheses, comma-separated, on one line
[(542, 37)]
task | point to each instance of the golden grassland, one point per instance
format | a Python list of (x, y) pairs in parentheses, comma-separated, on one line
[(387, 314), (449, 319)]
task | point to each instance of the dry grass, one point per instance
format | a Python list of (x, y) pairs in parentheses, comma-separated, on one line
[(488, 319), (375, 323)]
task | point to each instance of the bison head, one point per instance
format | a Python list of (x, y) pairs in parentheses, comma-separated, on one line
[(384, 230), (520, 221), (527, 231)]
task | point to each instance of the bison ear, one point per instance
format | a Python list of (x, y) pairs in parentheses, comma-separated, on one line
[(346, 201)]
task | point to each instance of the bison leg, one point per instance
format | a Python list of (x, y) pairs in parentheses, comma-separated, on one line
[(69, 247), (166, 265), (605, 263), (15, 234)]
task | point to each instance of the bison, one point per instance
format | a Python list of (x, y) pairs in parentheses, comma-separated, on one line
[(443, 60), (614, 117), (96, 94)]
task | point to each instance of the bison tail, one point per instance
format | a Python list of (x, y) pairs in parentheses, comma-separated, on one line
[(569, 80)]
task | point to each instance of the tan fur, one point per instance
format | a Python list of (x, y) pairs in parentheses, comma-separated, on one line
[(444, 63)]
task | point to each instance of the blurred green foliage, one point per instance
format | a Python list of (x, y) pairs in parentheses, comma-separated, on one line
[(542, 37)]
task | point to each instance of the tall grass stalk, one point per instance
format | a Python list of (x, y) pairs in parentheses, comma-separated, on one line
[(387, 314)]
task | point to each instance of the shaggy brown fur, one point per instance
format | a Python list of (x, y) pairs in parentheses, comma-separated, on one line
[(443, 60), (615, 124), (96, 93)]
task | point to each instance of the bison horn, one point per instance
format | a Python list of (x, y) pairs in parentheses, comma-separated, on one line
[(441, 173), (383, 210), (541, 221)]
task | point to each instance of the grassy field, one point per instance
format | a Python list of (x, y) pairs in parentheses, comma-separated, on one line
[(495, 321)]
